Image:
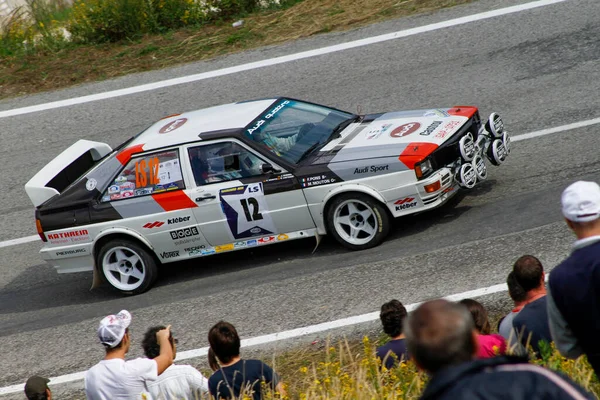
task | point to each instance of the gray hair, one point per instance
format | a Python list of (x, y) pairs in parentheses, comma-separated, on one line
[(440, 334)]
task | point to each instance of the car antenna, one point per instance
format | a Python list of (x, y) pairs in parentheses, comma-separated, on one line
[(359, 109)]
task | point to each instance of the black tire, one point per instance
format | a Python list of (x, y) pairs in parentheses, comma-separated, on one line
[(139, 275), (379, 221)]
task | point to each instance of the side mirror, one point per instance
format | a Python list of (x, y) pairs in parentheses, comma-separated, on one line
[(267, 168)]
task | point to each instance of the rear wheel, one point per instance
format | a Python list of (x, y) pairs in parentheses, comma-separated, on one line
[(127, 266), (357, 221)]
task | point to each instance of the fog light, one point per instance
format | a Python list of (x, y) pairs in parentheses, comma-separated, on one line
[(466, 176), (480, 167), (433, 187), (495, 125), (506, 141), (496, 153), (466, 146)]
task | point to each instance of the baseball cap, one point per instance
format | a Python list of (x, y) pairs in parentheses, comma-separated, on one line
[(112, 328), (36, 385), (581, 201)]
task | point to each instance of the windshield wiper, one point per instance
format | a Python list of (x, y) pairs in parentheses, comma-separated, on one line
[(310, 150), (335, 134)]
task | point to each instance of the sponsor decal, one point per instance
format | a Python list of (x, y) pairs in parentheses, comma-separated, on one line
[(282, 237), (266, 239), (376, 132), (178, 220), (71, 252), (155, 224), (126, 194), (279, 178), (406, 203), (120, 179), (252, 242), (436, 113), (429, 130), (207, 252), (169, 254), (91, 184), (80, 235), (372, 169), (316, 180), (448, 128), (224, 247), (115, 196), (143, 192), (183, 233), (171, 126), (405, 129), (267, 116), (105, 198), (192, 251), (255, 230), (114, 189), (127, 186), (239, 245)]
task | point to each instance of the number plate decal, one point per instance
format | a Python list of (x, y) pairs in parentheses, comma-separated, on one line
[(246, 211)]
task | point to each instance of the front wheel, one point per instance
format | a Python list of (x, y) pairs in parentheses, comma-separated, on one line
[(127, 266), (358, 221)]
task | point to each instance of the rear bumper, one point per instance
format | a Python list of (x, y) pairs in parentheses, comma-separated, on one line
[(67, 259)]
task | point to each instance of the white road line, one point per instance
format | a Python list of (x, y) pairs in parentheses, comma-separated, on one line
[(274, 337), (280, 60), (518, 138)]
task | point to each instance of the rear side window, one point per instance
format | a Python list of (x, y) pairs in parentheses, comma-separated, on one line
[(145, 175)]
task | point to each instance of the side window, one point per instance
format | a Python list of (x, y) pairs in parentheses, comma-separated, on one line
[(147, 174), (223, 161)]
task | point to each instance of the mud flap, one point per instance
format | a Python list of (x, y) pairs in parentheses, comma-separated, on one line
[(318, 239), (97, 279)]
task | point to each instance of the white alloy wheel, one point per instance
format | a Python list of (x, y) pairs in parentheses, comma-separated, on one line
[(124, 268), (355, 222)]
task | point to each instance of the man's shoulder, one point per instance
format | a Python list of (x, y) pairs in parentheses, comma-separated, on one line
[(181, 369)]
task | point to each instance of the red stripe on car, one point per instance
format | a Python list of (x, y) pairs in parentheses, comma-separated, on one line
[(172, 201), (416, 152), (125, 155), (463, 111)]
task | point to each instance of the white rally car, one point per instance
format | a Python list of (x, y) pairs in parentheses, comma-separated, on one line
[(249, 174)]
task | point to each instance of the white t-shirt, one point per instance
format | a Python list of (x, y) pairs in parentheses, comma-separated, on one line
[(117, 379), (178, 382)]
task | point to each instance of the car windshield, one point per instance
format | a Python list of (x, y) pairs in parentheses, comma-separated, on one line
[(293, 129)]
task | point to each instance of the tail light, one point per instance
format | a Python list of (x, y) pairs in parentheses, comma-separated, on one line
[(40, 231)]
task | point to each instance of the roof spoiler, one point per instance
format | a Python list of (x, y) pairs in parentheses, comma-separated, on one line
[(65, 169)]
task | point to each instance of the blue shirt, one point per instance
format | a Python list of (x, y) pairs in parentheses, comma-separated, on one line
[(397, 347), (533, 319), (241, 377)]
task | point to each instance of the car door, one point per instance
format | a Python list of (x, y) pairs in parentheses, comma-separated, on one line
[(150, 195), (239, 200)]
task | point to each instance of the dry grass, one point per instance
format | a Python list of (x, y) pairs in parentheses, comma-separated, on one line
[(78, 64)]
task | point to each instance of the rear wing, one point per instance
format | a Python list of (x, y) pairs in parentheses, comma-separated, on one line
[(65, 169)]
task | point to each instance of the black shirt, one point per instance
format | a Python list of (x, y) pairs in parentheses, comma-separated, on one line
[(533, 319), (242, 377)]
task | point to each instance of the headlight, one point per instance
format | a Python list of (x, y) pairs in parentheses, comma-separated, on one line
[(423, 168)]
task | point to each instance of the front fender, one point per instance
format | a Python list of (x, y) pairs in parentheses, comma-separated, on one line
[(350, 187), (97, 280)]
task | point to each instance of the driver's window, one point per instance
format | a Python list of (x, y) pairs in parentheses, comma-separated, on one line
[(223, 161)]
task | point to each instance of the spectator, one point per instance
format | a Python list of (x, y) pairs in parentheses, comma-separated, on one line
[(392, 317), (442, 340), (178, 382), (531, 324), (233, 375), (573, 300), (113, 378), (517, 294), (490, 344), (36, 388)]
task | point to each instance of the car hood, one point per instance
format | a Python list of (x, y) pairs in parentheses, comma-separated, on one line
[(394, 141)]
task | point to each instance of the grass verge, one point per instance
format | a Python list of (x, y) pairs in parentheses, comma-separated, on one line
[(58, 67)]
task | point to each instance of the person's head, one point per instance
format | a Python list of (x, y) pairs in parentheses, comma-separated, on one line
[(515, 291), (440, 334), (479, 315), (392, 317), (224, 342), (113, 331), (36, 388), (150, 342), (529, 273), (580, 203)]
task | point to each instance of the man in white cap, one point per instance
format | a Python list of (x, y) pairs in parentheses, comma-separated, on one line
[(574, 286), (113, 378)]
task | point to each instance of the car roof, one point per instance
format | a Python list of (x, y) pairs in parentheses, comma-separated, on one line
[(175, 130)]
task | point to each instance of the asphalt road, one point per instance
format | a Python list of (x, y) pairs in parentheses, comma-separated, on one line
[(538, 69)]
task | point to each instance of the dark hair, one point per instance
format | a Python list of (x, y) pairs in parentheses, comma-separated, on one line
[(392, 316), (515, 291), (479, 315), (528, 272), (224, 341), (150, 342), (38, 396), (440, 334)]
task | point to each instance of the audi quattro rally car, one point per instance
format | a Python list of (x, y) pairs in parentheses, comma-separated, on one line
[(248, 174)]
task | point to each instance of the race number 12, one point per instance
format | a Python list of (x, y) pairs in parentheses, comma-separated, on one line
[(141, 178)]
